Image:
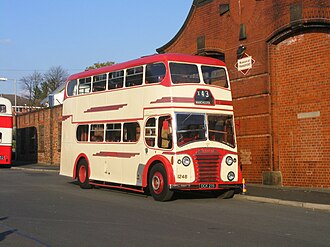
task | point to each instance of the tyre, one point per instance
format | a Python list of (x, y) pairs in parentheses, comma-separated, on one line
[(82, 174), (158, 185)]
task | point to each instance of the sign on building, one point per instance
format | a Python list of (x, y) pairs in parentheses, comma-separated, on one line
[(244, 64)]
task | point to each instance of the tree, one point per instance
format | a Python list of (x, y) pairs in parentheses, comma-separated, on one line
[(31, 85), (38, 86), (99, 65), (53, 78)]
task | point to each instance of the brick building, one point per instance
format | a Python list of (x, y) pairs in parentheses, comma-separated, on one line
[(281, 104), (39, 136)]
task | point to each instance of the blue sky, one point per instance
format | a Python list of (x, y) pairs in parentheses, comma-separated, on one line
[(38, 34)]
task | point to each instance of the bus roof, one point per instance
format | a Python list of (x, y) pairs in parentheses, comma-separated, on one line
[(5, 101), (149, 59)]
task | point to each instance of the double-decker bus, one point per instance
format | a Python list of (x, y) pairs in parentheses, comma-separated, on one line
[(159, 123), (6, 131)]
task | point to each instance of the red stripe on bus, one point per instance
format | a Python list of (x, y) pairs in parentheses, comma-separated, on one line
[(223, 102), (116, 154), (187, 100), (105, 108), (66, 117), (174, 100), (6, 122)]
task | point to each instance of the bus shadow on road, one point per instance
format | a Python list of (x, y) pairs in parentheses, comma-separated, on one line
[(178, 195), (6, 233)]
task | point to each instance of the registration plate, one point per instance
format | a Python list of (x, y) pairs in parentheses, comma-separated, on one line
[(207, 186), (2, 157)]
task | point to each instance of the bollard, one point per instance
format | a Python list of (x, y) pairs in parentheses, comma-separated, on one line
[(244, 187)]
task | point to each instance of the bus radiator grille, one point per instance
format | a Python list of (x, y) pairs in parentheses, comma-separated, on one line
[(207, 167)]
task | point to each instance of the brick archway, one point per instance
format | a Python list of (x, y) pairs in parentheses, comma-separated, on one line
[(300, 84)]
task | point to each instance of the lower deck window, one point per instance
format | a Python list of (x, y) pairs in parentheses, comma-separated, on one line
[(97, 132), (113, 133), (82, 133), (131, 132)]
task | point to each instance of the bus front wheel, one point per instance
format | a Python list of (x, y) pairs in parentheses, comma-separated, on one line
[(158, 184), (82, 174)]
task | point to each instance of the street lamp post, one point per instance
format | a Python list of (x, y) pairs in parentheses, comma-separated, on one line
[(15, 89)]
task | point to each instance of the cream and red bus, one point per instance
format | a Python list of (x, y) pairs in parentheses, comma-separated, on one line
[(159, 123), (6, 131)]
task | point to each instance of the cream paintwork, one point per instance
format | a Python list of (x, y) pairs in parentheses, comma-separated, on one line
[(138, 105)]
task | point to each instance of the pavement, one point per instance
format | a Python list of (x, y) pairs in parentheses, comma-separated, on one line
[(311, 198)]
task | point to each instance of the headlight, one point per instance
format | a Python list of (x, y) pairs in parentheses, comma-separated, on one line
[(231, 176), (186, 161), (229, 160)]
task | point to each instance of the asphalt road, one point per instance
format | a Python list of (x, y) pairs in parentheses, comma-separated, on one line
[(45, 209)]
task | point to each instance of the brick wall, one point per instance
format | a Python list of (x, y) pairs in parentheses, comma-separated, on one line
[(269, 25), (301, 85), (38, 136)]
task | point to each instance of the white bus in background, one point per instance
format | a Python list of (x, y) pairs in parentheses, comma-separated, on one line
[(6, 131)]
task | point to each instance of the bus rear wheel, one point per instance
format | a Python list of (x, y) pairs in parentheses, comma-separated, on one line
[(82, 175), (158, 185)]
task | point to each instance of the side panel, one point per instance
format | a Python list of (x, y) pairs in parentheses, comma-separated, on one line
[(6, 134), (5, 155)]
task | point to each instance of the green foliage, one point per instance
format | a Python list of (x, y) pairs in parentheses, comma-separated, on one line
[(99, 65)]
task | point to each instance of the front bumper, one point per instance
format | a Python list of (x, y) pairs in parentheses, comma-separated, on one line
[(237, 187)]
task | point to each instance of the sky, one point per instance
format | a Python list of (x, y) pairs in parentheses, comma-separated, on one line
[(36, 35)]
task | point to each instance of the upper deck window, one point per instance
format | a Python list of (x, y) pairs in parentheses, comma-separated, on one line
[(215, 75), (99, 82), (84, 85), (116, 79), (72, 88), (155, 72), (134, 76), (184, 73), (3, 109)]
